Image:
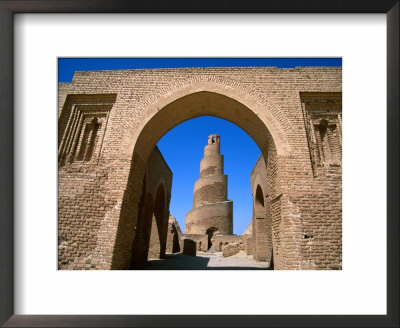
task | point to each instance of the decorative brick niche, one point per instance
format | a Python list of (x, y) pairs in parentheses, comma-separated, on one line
[(82, 127), (323, 121)]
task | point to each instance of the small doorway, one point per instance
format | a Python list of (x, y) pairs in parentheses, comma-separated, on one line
[(210, 233)]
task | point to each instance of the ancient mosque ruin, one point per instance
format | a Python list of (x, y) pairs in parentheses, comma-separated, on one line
[(114, 186)]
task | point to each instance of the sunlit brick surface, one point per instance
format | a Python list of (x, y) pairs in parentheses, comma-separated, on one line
[(110, 122)]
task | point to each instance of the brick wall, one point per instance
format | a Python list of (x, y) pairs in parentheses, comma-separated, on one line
[(306, 218), (150, 234), (201, 241), (223, 240), (101, 198), (174, 235)]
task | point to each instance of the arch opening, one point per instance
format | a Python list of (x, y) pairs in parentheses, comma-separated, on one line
[(200, 104), (175, 241), (263, 228), (259, 196), (211, 232), (166, 118)]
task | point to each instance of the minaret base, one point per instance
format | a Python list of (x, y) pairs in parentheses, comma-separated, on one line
[(217, 215)]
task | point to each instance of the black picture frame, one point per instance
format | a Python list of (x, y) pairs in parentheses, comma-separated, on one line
[(7, 10)]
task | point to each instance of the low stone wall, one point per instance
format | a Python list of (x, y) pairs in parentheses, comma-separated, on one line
[(222, 240), (189, 247), (200, 240), (230, 250), (174, 236)]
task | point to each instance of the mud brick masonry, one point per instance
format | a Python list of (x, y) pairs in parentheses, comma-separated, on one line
[(114, 185), (212, 212)]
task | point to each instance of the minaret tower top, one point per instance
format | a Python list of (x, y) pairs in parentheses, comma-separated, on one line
[(213, 146), (213, 138)]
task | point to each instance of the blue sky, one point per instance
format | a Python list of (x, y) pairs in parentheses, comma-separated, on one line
[(67, 66), (183, 146)]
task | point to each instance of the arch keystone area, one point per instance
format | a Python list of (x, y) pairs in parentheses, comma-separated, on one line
[(261, 111)]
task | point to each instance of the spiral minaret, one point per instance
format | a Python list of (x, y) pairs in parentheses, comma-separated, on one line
[(211, 208)]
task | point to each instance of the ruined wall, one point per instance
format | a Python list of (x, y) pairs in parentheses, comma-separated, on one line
[(189, 247), (174, 235), (248, 239), (100, 188), (223, 240), (201, 241)]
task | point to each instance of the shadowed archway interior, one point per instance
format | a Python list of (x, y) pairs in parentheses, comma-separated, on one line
[(178, 111)]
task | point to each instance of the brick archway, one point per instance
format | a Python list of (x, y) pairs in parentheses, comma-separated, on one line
[(262, 226), (110, 121), (245, 112), (177, 108)]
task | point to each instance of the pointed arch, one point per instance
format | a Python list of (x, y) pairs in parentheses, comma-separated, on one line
[(211, 99)]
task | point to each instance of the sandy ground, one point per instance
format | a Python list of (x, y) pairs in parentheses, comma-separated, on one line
[(204, 261)]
